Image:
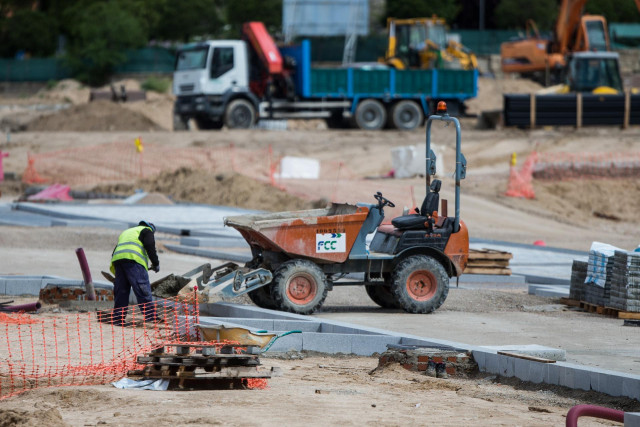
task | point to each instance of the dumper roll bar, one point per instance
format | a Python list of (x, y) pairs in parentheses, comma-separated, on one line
[(461, 162)]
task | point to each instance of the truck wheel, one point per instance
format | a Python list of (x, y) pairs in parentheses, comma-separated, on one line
[(420, 284), (262, 297), (179, 123), (370, 115), (205, 123), (240, 114), (300, 286), (406, 115), (381, 295)]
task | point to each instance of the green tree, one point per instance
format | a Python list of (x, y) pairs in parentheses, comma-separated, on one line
[(447, 9), (99, 35), (267, 11), (515, 13), (614, 11), (29, 31), (182, 20)]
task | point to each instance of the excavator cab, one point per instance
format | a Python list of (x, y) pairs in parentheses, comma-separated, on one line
[(596, 72)]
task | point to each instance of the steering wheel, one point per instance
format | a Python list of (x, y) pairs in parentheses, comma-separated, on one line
[(382, 201)]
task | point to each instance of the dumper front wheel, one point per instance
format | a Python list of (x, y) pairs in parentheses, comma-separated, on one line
[(299, 286), (420, 284), (262, 297)]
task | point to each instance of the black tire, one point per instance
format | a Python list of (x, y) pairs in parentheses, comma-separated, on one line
[(262, 297), (420, 284), (370, 115), (406, 115), (179, 123), (299, 286), (240, 114), (205, 123), (381, 295)]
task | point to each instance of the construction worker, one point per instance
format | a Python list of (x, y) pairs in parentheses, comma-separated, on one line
[(129, 263)]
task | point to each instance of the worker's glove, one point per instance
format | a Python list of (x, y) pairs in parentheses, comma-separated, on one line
[(155, 268)]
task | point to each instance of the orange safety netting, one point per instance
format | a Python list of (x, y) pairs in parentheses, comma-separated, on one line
[(520, 181), (88, 348)]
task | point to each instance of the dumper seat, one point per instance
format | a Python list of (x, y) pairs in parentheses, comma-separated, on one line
[(420, 220)]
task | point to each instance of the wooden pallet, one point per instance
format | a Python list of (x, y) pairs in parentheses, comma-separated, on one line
[(600, 309), (488, 261), (202, 364)]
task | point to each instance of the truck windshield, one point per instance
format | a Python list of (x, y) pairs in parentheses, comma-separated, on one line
[(192, 59)]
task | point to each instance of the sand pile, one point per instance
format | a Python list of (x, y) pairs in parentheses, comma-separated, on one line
[(188, 185), (99, 116)]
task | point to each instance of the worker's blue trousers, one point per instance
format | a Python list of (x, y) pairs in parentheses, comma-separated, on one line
[(132, 275)]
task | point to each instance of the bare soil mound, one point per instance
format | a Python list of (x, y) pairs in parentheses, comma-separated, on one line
[(490, 93), (188, 185), (97, 116)]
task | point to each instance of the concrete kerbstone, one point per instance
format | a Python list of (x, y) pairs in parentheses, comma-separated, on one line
[(631, 386), (288, 343), (536, 372), (326, 343), (365, 345), (290, 325), (632, 419), (567, 377), (611, 384), (507, 366), (492, 363), (552, 374), (480, 358), (3, 286), (30, 286), (582, 380), (522, 369)]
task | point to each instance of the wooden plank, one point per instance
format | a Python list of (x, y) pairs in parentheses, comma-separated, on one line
[(489, 254), (488, 263), (495, 271), (570, 302), (526, 356), (628, 315)]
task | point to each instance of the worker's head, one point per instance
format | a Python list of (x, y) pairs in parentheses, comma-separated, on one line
[(148, 224)]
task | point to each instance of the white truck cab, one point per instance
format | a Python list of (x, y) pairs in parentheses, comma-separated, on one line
[(209, 79)]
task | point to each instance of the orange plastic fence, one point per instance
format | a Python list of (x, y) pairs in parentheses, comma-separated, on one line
[(78, 349), (520, 181)]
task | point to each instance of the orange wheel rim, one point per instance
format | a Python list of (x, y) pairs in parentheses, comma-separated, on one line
[(301, 289), (422, 285)]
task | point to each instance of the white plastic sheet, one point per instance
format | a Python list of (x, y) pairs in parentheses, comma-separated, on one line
[(299, 167), (157, 385)]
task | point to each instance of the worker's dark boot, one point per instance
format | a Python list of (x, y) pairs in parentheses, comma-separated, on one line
[(431, 369), (441, 371)]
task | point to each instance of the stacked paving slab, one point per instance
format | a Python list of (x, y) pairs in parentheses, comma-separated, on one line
[(578, 276), (625, 282), (597, 288)]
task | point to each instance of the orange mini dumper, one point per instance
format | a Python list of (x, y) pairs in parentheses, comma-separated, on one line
[(407, 265)]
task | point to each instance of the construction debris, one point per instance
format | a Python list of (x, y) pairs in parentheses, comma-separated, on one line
[(488, 261), (435, 362), (205, 365)]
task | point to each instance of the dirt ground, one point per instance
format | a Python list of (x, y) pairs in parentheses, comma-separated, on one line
[(336, 390)]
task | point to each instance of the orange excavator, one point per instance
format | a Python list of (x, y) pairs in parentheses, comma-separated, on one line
[(544, 59)]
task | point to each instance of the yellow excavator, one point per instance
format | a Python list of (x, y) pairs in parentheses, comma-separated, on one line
[(422, 43)]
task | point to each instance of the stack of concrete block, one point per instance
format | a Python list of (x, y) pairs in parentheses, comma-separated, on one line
[(625, 283), (578, 276), (599, 268)]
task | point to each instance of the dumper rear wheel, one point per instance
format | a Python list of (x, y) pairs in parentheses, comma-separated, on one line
[(262, 297), (420, 284), (299, 286), (381, 295)]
